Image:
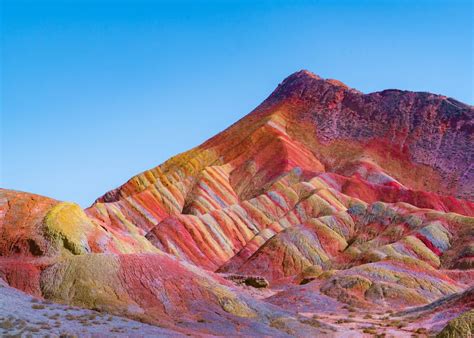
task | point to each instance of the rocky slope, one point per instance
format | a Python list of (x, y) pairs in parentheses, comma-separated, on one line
[(321, 212)]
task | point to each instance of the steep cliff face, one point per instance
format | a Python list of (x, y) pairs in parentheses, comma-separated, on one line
[(366, 200)]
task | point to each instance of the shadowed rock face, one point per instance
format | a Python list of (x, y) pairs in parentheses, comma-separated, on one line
[(322, 204)]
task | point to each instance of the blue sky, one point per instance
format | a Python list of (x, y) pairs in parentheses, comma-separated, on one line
[(94, 92)]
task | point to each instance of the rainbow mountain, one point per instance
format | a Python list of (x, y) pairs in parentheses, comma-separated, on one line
[(324, 211)]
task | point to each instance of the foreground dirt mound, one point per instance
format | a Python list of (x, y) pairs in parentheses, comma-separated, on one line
[(22, 315)]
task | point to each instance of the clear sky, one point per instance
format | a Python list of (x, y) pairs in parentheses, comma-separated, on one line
[(94, 92)]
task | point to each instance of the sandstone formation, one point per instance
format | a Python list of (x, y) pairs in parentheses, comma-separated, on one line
[(321, 212)]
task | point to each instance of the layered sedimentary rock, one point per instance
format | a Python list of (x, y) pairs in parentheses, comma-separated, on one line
[(328, 199)]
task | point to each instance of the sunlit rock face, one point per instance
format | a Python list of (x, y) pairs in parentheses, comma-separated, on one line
[(323, 211)]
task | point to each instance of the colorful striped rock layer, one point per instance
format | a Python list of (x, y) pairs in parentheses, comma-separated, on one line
[(325, 211)]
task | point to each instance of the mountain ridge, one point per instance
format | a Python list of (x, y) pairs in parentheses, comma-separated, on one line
[(288, 86)]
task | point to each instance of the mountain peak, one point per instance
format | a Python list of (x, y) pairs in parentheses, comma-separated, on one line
[(302, 77), (303, 73), (305, 85), (308, 77)]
